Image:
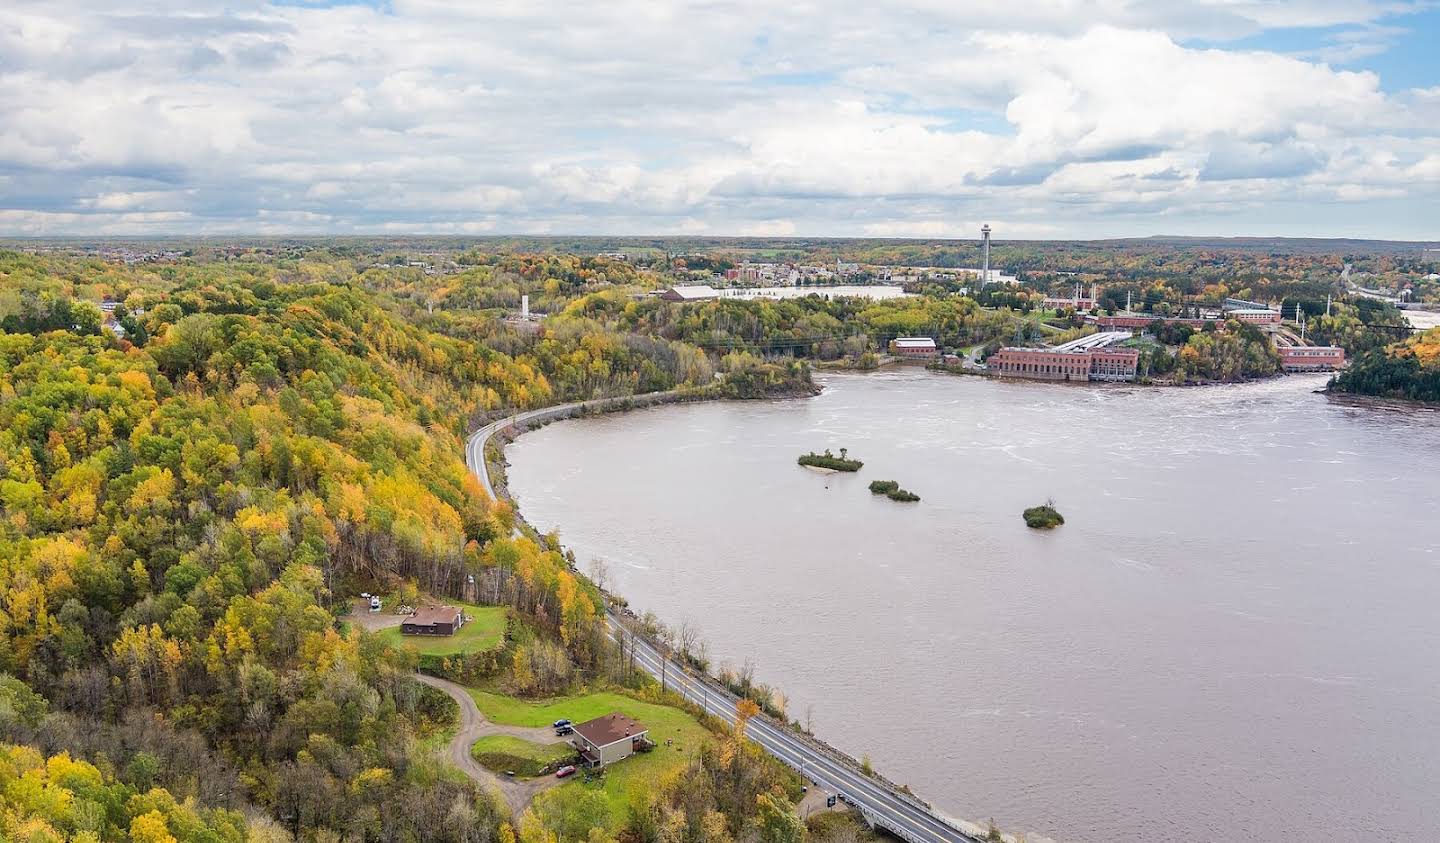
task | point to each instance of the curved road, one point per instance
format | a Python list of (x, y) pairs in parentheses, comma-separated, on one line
[(473, 726), (882, 804)]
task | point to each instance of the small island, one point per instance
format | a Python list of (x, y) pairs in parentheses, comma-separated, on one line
[(1043, 517), (891, 489), (831, 462)]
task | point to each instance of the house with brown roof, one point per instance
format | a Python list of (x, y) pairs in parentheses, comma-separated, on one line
[(433, 620), (610, 738)]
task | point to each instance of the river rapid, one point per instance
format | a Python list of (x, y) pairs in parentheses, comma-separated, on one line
[(1236, 631)]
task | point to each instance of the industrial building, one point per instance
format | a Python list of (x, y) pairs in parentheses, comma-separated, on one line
[(1311, 358), (1140, 321), (1255, 316), (693, 292), (915, 347), (1078, 301), (1095, 364)]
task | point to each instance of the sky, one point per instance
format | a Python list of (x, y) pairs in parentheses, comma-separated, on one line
[(922, 118)]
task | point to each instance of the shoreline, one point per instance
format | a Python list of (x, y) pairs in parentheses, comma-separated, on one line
[(1377, 402), (1149, 384), (534, 419)]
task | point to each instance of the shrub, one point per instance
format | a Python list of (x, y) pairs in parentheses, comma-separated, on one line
[(902, 495), (883, 487), (1043, 517), (830, 461)]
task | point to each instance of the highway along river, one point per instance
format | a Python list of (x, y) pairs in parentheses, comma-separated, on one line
[(1236, 634)]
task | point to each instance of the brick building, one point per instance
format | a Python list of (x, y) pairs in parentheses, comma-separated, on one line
[(1311, 358), (922, 348), (1101, 364)]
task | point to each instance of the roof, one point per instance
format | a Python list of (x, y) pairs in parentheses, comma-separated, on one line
[(610, 728), (914, 342), (695, 291), (432, 615)]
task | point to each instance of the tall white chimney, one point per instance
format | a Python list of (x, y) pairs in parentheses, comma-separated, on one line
[(985, 252), (525, 308)]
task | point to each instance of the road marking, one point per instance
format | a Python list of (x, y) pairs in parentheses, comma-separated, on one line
[(897, 812)]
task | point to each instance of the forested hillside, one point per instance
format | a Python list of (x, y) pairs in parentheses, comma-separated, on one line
[(187, 491), (1409, 370)]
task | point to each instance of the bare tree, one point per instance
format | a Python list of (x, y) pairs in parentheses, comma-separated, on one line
[(747, 677), (688, 635), (600, 573)]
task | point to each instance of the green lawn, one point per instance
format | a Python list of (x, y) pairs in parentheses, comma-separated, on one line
[(640, 772), (486, 629), (526, 759)]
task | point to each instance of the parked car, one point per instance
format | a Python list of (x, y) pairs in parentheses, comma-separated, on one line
[(567, 770), (562, 731), (559, 723)]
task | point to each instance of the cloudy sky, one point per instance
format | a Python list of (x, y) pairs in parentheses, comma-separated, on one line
[(922, 118)]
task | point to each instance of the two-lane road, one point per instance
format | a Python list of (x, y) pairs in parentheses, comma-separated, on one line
[(896, 811)]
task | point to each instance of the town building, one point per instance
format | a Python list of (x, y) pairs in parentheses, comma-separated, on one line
[(610, 738), (1311, 358), (916, 347), (1097, 364), (433, 620), (693, 292)]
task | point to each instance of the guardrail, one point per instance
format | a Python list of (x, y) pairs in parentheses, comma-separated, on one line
[(893, 819)]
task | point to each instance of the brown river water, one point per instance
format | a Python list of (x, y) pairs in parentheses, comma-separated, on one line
[(1237, 633)]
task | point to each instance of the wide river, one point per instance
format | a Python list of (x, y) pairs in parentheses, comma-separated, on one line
[(1235, 634)]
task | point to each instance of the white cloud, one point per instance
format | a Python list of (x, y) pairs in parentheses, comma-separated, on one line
[(1053, 116)]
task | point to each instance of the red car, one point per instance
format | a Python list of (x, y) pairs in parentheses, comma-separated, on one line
[(567, 770)]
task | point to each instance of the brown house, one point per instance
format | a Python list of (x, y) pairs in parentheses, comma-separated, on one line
[(433, 620), (608, 739)]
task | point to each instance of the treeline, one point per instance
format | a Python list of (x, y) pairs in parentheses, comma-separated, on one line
[(810, 327), (496, 281)]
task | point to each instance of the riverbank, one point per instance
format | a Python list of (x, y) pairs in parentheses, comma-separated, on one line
[(482, 447), (1147, 382), (884, 803)]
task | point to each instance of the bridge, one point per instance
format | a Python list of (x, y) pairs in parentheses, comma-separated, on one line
[(881, 803)]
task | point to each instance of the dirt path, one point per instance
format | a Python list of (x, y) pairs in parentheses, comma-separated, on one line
[(361, 616), (517, 792)]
